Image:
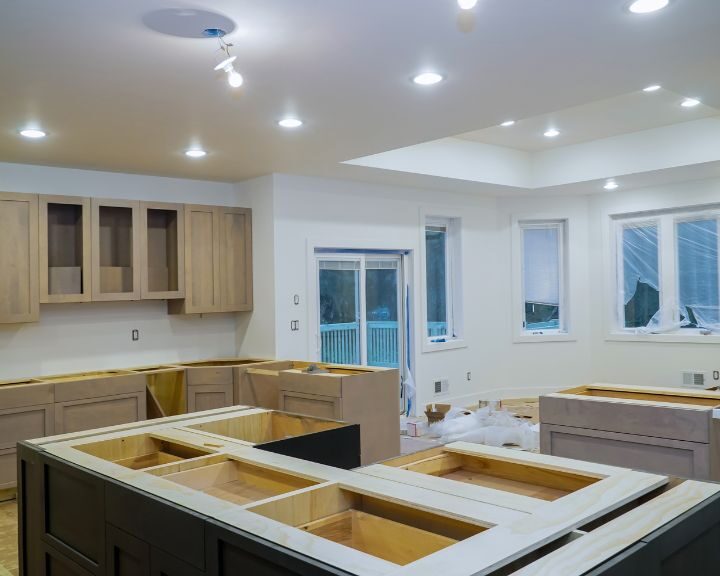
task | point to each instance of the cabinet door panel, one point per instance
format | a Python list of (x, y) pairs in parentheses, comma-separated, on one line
[(311, 405), (236, 259), (209, 397), (126, 555), (65, 254), (78, 415), (19, 292)]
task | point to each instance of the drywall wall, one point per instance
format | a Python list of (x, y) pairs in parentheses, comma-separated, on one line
[(256, 331), (75, 337), (313, 212)]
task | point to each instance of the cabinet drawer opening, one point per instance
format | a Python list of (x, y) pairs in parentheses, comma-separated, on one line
[(266, 426), (238, 482), (535, 481), (140, 452), (371, 524)]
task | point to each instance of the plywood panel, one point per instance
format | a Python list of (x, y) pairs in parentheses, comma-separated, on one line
[(235, 259), (19, 291)]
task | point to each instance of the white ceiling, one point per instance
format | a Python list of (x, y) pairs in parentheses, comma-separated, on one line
[(115, 95), (623, 114)]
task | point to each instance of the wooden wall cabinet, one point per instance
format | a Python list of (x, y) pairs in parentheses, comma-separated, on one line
[(116, 255), (19, 295), (65, 249), (218, 260), (162, 229)]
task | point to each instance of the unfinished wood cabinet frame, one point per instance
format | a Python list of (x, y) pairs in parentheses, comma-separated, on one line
[(236, 264), (19, 288), (135, 252), (178, 249), (85, 294)]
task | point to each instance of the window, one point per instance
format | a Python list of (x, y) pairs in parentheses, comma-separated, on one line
[(671, 285), (442, 280), (542, 262)]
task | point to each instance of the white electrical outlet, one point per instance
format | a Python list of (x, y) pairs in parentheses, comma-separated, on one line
[(441, 386)]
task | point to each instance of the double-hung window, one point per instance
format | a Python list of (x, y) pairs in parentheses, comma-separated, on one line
[(443, 319), (542, 276), (668, 273)]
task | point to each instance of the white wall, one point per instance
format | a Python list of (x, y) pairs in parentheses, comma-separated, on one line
[(340, 214), (88, 336)]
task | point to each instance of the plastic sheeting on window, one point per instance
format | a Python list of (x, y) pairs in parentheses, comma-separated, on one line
[(697, 270)]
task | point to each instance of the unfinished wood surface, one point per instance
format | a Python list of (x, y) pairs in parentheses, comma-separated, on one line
[(384, 529), (169, 390), (65, 249), (19, 290), (506, 543), (238, 482), (257, 384), (91, 413), (661, 420), (262, 426), (311, 405), (660, 455), (162, 237), (140, 451), (590, 550), (116, 254), (236, 276), (202, 262)]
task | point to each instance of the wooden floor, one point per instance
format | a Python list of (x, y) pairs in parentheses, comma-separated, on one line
[(8, 539)]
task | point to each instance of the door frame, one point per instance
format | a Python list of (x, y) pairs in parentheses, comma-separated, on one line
[(361, 296)]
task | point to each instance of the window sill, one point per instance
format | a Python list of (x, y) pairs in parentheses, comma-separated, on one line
[(525, 338), (453, 344), (664, 338)]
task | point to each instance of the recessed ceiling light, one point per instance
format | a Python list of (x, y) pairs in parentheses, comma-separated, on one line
[(647, 6), (195, 153), (611, 185), (690, 103), (507, 123), (33, 133), (290, 123), (427, 78), (652, 88), (467, 4), (552, 133)]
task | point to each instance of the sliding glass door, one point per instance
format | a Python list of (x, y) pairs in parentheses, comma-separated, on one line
[(360, 309)]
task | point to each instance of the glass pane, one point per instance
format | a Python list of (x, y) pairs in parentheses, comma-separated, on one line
[(698, 272), (541, 278), (339, 314), (641, 273), (436, 270), (381, 295)]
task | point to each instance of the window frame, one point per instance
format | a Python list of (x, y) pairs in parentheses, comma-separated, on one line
[(668, 258), (453, 282), (520, 333)]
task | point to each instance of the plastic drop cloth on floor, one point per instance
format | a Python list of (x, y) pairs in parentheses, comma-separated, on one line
[(487, 426)]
